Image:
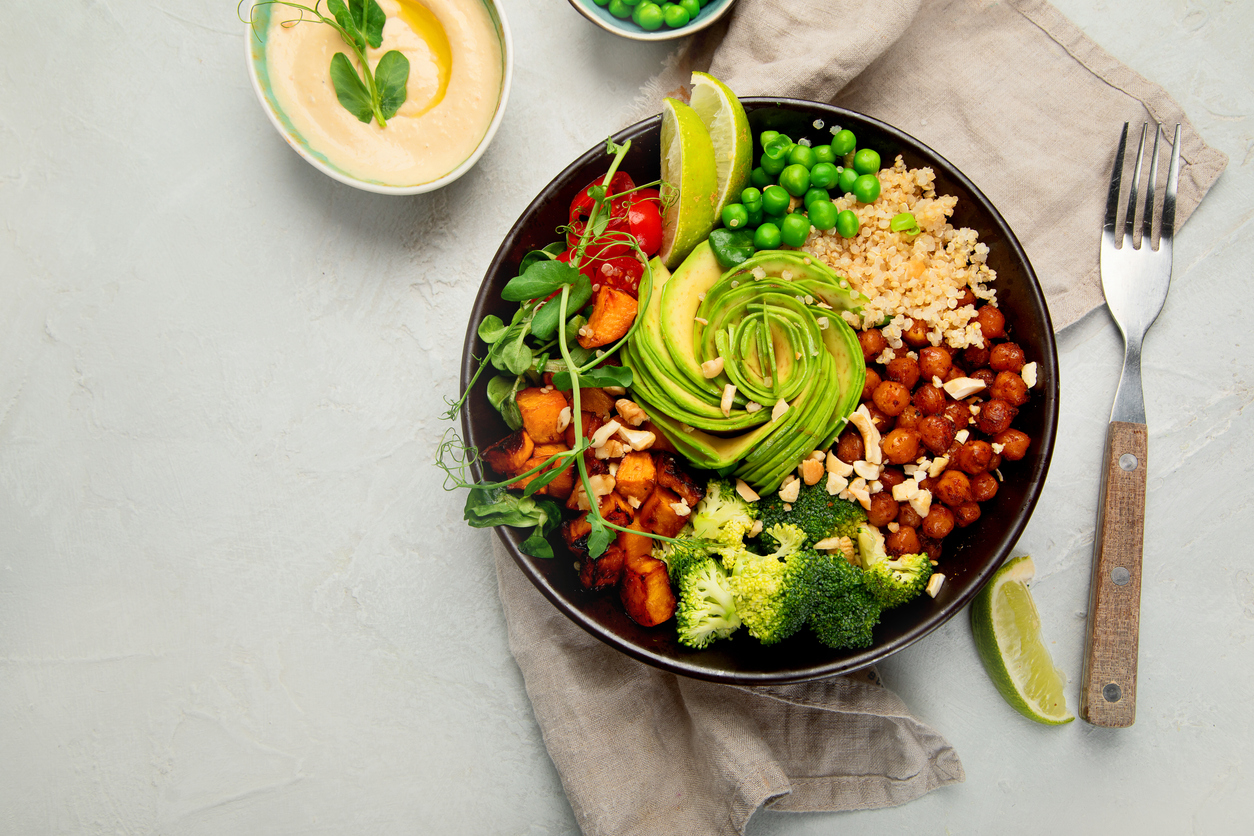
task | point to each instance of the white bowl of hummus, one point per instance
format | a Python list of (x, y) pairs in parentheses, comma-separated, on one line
[(460, 66)]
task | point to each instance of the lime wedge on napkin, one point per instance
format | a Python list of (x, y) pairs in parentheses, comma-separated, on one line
[(1008, 637), (725, 120), (689, 182)]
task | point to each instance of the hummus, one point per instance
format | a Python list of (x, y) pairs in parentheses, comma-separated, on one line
[(455, 67)]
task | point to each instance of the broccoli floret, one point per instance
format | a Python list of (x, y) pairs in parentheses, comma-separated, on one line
[(844, 611), (816, 512), (892, 580), (678, 555), (772, 592), (707, 609), (723, 514)]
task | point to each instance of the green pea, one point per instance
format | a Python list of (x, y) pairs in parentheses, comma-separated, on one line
[(866, 161), (601, 2), (675, 15), (823, 214), (735, 216), (750, 196), (824, 176), (801, 155), (824, 154), (795, 230), (844, 183), (866, 188), (813, 195), (775, 200), (796, 179), (765, 138), (766, 237), (619, 9), (760, 179), (774, 165), (692, 7), (847, 224), (843, 142), (755, 216), (649, 16)]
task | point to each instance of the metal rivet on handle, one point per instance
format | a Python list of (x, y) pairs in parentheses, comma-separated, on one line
[(1128, 461), (1112, 693), (1120, 576)]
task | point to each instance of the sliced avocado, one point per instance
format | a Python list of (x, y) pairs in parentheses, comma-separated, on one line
[(681, 297)]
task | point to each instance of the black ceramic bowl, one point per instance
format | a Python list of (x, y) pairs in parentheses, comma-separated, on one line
[(970, 555)]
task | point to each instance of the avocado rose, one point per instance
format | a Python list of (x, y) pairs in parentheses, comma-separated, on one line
[(751, 370)]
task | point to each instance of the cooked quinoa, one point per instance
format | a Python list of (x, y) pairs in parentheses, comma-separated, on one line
[(924, 278)]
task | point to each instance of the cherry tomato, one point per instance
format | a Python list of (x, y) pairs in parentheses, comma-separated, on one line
[(581, 208), (644, 220), (621, 273)]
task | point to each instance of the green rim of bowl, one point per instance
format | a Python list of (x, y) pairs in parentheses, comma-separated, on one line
[(627, 29), (258, 71)]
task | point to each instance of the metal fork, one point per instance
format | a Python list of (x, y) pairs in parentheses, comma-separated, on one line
[(1135, 280)]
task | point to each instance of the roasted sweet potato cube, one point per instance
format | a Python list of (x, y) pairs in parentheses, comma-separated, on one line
[(658, 515), (661, 444), (561, 485), (671, 475), (636, 545), (509, 455), (575, 532), (604, 571), (591, 423), (637, 475), (646, 591), (592, 399), (614, 508), (612, 314), (541, 413)]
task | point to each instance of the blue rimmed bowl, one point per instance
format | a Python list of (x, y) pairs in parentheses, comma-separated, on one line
[(255, 50), (601, 16)]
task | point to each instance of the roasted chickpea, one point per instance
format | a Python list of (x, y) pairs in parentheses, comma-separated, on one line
[(967, 297), (904, 370), (983, 487), (1006, 357), (891, 397), (976, 357), (935, 361), (909, 418), (936, 432), (906, 515), (1014, 444), (954, 373), (883, 509), (959, 414), (850, 447), (905, 540), (985, 376), (994, 462), (900, 446), (891, 477), (973, 457), (966, 513), (931, 546), (872, 380), (953, 488), (1010, 388), (992, 322), (928, 399), (938, 522), (915, 334), (873, 344), (995, 416)]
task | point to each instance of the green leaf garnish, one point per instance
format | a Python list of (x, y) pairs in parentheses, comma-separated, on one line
[(391, 76), (539, 280), (350, 89)]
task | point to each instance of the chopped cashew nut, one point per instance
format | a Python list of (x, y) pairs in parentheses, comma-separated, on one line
[(601, 484), (937, 382), (921, 502), (752, 406), (637, 439), (938, 466), (894, 527), (1029, 375), (563, 419), (961, 436), (934, 584), (905, 490), (828, 544), (681, 508), (603, 434), (997, 448), (616, 391), (611, 449), (866, 470), (963, 387), (613, 468), (811, 471), (630, 412), (729, 394), (747, 493), (634, 502), (870, 436), (781, 406), (838, 466), (791, 489), (756, 528), (712, 368), (836, 483), (817, 455)]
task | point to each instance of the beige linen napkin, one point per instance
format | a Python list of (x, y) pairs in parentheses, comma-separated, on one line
[(1030, 109)]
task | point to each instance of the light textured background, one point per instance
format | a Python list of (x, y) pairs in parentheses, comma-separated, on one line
[(235, 599)]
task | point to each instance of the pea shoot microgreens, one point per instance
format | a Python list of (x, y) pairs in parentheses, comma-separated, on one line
[(367, 95), (553, 295)]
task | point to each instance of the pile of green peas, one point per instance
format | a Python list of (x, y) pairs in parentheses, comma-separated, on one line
[(651, 16), (789, 169)]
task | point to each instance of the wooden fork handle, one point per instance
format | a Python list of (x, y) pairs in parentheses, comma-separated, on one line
[(1108, 690)]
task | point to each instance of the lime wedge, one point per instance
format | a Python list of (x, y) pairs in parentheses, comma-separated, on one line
[(689, 182), (724, 117), (1008, 637)]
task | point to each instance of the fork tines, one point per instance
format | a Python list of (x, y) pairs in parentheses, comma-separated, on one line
[(1169, 197)]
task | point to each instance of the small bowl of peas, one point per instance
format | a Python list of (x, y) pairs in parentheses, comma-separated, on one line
[(652, 20)]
